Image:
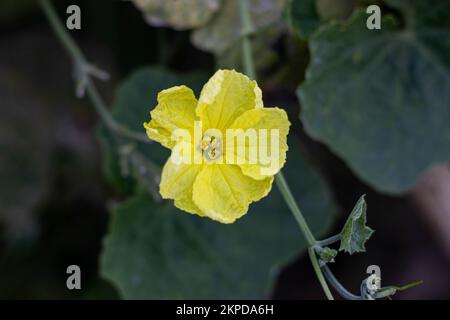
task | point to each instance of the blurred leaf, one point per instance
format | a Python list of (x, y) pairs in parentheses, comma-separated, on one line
[(380, 98), (134, 99), (355, 232), (180, 14), (303, 17), (158, 252), (224, 30)]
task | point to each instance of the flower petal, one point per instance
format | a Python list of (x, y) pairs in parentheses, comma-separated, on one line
[(175, 109), (223, 193), (257, 119), (177, 182), (225, 97)]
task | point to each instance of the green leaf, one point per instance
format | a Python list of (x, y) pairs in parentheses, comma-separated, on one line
[(303, 17), (355, 232), (135, 98), (380, 99), (159, 252), (180, 14)]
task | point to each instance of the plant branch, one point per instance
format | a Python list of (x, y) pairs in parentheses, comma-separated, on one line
[(85, 71)]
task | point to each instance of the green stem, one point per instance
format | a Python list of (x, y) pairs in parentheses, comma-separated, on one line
[(249, 68), (81, 62)]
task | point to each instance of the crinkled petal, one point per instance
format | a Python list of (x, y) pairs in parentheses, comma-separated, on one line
[(270, 157), (226, 96), (223, 193), (175, 109), (177, 182)]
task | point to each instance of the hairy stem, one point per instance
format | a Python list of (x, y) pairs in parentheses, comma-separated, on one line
[(249, 68), (80, 62)]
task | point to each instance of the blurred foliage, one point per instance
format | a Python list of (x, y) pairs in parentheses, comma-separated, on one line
[(380, 99)]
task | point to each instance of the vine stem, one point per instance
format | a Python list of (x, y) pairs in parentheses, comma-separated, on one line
[(85, 71), (249, 69)]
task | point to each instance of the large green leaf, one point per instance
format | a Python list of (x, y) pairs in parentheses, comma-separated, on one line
[(135, 98), (380, 98), (158, 252)]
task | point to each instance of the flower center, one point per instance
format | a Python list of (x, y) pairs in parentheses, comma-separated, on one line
[(211, 147)]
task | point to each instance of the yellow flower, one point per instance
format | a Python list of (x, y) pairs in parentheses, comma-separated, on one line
[(228, 176)]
